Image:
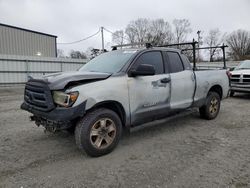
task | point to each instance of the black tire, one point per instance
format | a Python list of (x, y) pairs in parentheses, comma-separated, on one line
[(83, 131), (232, 93), (205, 111)]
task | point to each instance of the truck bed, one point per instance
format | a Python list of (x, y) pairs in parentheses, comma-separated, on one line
[(205, 78)]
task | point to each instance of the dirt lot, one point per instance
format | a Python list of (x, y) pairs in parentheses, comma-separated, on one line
[(184, 152)]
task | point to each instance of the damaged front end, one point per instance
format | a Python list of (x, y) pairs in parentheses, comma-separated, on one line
[(46, 108), (50, 125), (50, 103)]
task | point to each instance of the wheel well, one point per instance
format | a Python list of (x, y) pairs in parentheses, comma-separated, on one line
[(217, 89), (114, 106)]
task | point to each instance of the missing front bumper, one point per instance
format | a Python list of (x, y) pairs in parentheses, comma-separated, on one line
[(59, 118)]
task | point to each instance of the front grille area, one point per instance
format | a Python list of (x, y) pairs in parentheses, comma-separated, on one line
[(38, 96), (240, 79)]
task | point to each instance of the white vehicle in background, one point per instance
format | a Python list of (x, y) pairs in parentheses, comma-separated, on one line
[(240, 78)]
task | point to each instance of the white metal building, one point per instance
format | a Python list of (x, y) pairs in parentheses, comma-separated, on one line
[(24, 42)]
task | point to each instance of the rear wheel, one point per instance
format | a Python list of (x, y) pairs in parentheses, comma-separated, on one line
[(98, 132), (212, 106)]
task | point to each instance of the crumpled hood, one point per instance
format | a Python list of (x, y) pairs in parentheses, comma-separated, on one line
[(241, 71), (58, 81)]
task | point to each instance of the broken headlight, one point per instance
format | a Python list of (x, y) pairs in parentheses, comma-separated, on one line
[(65, 99)]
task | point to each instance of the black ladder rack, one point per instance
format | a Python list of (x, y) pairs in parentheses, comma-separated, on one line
[(178, 45)]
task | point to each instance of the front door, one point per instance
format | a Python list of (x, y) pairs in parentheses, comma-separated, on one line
[(149, 95)]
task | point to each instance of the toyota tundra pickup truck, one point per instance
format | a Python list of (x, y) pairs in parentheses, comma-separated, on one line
[(120, 90)]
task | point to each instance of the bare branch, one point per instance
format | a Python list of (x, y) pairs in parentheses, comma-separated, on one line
[(182, 27), (239, 44)]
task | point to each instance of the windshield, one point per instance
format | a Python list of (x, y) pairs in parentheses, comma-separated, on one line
[(243, 65), (110, 62)]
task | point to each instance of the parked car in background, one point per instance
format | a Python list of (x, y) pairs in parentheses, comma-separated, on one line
[(240, 78)]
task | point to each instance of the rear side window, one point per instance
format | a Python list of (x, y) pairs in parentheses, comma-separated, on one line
[(175, 62), (186, 62), (152, 58)]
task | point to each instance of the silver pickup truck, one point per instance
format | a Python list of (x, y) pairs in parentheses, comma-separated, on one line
[(119, 90)]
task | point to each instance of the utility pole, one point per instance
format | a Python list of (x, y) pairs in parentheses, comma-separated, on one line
[(198, 56), (102, 40)]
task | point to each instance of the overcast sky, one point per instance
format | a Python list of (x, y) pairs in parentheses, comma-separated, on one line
[(72, 20)]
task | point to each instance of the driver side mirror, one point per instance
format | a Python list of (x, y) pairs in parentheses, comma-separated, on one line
[(142, 70)]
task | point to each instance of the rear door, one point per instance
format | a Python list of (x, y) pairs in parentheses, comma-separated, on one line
[(182, 81), (149, 95)]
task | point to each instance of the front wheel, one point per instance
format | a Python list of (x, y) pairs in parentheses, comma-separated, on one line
[(98, 132), (212, 106)]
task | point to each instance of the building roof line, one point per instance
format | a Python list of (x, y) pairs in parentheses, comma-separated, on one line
[(28, 30)]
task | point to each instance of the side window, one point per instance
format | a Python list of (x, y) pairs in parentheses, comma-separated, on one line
[(175, 62), (186, 62), (152, 58)]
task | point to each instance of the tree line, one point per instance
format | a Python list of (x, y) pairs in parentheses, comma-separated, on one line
[(160, 31)]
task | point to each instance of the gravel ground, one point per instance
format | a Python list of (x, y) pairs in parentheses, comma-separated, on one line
[(184, 152)]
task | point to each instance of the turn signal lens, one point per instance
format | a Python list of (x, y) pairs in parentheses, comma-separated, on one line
[(73, 96), (65, 99)]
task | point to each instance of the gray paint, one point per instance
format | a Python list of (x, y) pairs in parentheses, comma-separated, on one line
[(139, 97), (182, 89), (18, 41), (143, 101), (58, 81), (147, 96)]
